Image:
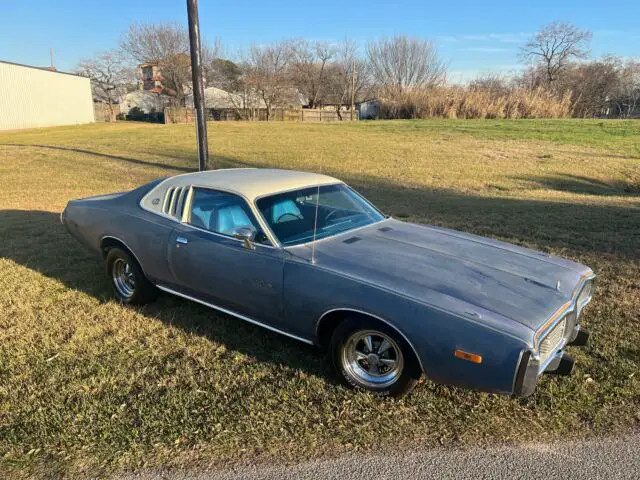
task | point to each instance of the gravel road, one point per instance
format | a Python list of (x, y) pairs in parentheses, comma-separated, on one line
[(608, 458)]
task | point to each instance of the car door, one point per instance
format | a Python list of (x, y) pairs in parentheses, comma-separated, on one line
[(210, 264)]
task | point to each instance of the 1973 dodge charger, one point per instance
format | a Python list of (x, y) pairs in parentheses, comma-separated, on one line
[(304, 255)]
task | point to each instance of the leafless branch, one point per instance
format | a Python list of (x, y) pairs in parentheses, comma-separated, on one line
[(404, 62), (555, 46)]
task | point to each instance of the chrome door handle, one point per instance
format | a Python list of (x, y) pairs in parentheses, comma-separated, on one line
[(182, 240)]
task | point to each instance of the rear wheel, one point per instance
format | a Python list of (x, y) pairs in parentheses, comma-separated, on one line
[(127, 280), (369, 355)]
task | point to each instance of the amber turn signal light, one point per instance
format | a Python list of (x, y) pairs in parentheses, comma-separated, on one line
[(471, 357)]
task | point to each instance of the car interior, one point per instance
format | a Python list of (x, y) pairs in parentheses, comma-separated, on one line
[(223, 213), (292, 216)]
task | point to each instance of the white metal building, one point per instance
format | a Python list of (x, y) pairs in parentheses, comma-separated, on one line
[(39, 97)]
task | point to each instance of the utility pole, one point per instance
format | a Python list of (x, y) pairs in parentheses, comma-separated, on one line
[(51, 58), (353, 88), (198, 87)]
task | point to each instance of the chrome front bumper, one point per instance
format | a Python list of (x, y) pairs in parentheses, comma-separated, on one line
[(560, 364)]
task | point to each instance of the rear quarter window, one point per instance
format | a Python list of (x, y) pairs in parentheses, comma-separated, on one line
[(173, 202)]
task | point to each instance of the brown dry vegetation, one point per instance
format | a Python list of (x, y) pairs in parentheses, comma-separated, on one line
[(88, 386), (475, 103)]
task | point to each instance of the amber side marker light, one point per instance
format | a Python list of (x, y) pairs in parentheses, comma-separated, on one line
[(470, 357)]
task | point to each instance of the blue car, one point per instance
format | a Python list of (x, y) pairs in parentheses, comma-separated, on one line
[(306, 256)]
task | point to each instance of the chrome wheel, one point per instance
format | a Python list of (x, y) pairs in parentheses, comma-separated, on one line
[(123, 278), (372, 358)]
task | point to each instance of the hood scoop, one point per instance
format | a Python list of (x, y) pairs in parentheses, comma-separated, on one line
[(542, 284), (385, 229), (352, 240)]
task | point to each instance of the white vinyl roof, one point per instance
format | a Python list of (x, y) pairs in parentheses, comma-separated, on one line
[(254, 182), (248, 182)]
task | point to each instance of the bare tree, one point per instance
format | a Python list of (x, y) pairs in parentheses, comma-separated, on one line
[(110, 76), (592, 85), (555, 46), (627, 97), (348, 76), (166, 45), (267, 74), (308, 68), (211, 52), (404, 62)]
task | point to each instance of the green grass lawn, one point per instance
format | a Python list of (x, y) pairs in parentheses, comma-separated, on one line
[(89, 387)]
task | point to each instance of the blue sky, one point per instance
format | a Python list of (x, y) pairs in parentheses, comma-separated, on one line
[(472, 36)]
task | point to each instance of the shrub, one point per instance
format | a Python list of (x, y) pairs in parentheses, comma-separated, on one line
[(136, 113)]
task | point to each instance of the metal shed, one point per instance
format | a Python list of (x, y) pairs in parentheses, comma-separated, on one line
[(368, 109), (41, 97)]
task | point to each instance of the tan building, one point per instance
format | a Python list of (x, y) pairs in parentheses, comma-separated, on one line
[(41, 97), (149, 77)]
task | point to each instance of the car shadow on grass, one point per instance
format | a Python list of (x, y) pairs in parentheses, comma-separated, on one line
[(38, 241)]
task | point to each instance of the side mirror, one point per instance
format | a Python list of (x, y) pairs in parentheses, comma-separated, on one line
[(247, 235)]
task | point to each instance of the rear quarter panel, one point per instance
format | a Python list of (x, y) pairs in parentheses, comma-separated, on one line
[(120, 217)]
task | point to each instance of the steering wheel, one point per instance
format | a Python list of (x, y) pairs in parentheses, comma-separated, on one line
[(289, 214), (330, 214)]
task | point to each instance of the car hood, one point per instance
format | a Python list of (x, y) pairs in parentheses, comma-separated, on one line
[(466, 274)]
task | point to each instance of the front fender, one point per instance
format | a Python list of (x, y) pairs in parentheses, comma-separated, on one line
[(311, 291)]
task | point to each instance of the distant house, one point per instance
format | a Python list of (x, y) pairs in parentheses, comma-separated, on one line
[(147, 101), (328, 101), (219, 99), (41, 97)]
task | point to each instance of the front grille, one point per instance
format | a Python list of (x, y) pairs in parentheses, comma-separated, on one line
[(550, 342)]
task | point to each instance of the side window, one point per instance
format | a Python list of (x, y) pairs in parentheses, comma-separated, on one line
[(223, 213)]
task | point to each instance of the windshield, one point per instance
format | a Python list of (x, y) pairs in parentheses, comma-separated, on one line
[(292, 215)]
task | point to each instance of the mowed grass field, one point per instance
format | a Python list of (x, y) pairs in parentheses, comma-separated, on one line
[(89, 387)]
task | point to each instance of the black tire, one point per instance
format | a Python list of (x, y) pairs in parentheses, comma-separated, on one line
[(399, 383), (136, 290)]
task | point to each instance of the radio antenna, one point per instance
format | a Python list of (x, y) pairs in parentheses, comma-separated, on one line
[(315, 221)]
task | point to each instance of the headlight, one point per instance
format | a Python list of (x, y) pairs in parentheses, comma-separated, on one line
[(585, 293), (572, 320)]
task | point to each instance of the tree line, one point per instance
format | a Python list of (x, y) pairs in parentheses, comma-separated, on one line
[(406, 74)]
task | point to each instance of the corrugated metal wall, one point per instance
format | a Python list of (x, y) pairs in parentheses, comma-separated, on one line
[(31, 97)]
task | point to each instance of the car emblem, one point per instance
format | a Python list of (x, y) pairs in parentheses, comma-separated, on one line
[(155, 201)]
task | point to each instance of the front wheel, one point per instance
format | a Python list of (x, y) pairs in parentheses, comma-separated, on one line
[(369, 355), (127, 280)]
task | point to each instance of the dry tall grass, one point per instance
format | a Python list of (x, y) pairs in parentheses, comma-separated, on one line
[(472, 102)]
